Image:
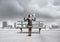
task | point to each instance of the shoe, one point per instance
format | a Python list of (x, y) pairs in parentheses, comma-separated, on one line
[(29, 35)]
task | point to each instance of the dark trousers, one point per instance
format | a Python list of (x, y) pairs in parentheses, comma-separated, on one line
[(29, 30)]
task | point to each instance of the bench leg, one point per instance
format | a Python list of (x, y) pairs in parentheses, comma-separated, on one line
[(39, 30), (21, 29)]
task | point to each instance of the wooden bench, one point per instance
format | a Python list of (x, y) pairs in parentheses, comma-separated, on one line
[(23, 25)]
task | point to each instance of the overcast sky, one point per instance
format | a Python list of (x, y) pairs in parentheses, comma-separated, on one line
[(45, 10)]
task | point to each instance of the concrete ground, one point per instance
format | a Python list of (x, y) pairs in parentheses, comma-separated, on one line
[(14, 35)]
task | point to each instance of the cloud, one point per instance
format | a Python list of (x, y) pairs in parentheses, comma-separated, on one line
[(56, 2), (24, 3), (45, 9), (10, 9)]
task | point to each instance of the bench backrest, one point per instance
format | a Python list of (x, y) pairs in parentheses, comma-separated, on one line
[(23, 24)]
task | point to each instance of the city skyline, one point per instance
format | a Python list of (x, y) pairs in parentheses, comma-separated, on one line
[(12, 24)]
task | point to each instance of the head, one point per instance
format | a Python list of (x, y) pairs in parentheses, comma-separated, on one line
[(29, 16)]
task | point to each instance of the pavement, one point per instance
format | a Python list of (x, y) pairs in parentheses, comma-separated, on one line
[(14, 35)]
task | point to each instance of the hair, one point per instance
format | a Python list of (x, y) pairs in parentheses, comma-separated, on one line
[(29, 15)]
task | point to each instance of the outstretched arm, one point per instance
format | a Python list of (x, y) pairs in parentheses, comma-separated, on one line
[(34, 19)]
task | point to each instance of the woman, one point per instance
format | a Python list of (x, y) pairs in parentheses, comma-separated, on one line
[(29, 25)]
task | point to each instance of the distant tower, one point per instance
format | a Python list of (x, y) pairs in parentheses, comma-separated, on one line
[(4, 24), (14, 25)]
